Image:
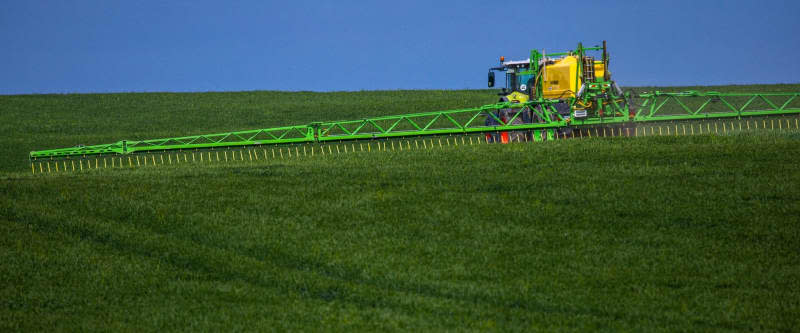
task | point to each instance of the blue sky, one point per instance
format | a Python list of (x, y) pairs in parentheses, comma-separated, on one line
[(122, 46)]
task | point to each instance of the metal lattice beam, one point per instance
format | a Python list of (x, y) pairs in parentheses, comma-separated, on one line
[(654, 107)]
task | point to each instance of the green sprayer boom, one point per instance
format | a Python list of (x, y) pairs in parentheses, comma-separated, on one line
[(557, 95)]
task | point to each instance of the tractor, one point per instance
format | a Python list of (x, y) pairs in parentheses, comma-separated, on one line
[(575, 83)]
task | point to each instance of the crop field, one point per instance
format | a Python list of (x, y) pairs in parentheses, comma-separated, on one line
[(654, 233)]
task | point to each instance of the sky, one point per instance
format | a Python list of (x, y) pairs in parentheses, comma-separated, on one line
[(145, 46)]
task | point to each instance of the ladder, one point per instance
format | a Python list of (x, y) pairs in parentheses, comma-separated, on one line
[(588, 69)]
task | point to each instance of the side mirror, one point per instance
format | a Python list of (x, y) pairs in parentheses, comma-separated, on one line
[(491, 79)]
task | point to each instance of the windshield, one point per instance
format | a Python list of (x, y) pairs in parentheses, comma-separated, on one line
[(518, 82), (523, 82)]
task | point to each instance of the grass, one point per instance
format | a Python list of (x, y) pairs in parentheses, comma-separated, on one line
[(681, 233)]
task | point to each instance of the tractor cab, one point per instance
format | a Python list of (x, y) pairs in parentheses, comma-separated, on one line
[(518, 77)]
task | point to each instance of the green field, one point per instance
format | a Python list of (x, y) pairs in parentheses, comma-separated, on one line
[(687, 233)]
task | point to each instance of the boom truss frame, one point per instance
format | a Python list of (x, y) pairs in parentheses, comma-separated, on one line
[(653, 107)]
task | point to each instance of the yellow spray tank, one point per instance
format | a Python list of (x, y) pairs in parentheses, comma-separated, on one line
[(561, 79)]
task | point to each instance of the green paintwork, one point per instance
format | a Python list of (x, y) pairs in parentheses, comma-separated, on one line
[(461, 121), (607, 107)]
